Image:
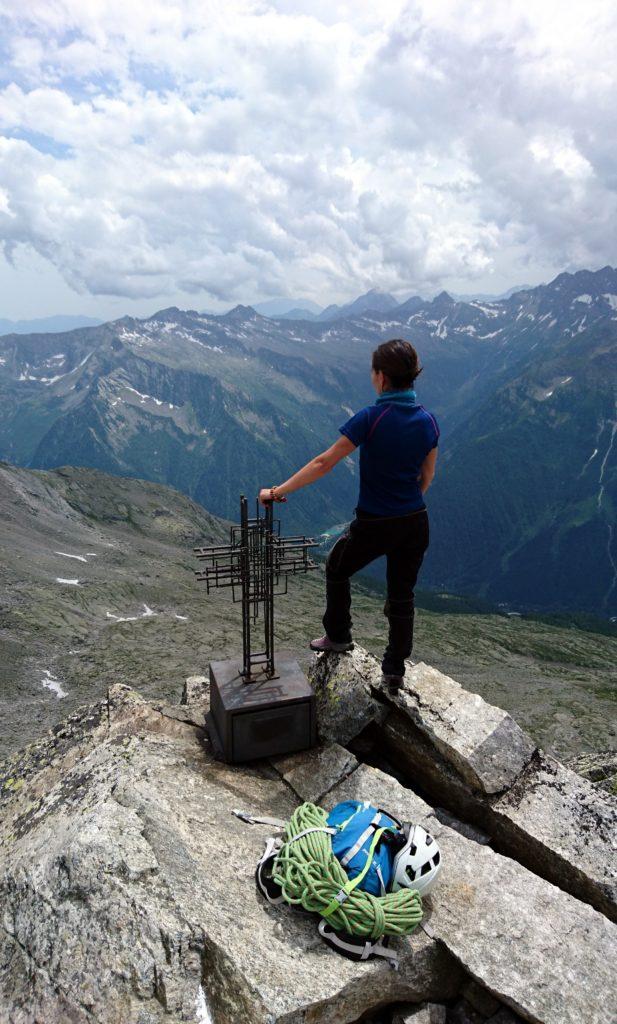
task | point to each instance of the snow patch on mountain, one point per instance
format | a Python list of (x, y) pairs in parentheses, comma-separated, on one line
[(487, 310), (547, 394), (440, 331), (147, 612), (80, 558), (144, 398), (26, 375), (135, 336), (51, 683)]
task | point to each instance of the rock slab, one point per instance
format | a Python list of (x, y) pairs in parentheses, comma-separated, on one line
[(512, 931), (311, 773), (482, 742), (344, 686), (558, 822), (128, 895), (534, 809)]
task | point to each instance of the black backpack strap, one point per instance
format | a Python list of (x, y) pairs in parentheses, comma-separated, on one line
[(263, 873), (354, 947), (390, 815)]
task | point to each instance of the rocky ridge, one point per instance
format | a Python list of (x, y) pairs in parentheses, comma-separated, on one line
[(127, 883)]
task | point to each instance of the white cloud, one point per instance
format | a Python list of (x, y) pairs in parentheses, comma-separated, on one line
[(257, 148)]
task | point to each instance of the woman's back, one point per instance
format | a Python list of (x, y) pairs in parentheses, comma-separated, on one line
[(394, 435)]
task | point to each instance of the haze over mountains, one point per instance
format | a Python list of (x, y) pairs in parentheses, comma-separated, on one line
[(304, 309), (49, 324), (524, 389), (374, 299)]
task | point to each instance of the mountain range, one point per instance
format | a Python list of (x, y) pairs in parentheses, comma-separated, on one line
[(524, 389), (375, 299)]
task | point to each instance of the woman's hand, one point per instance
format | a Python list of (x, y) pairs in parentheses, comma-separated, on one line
[(265, 496)]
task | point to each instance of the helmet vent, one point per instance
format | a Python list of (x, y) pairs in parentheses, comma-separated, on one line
[(418, 862)]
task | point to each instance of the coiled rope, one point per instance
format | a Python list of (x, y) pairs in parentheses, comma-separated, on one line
[(309, 874)]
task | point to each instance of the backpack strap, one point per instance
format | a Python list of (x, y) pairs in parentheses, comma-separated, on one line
[(273, 845), (360, 841), (356, 948), (349, 886), (316, 828), (254, 819), (263, 872), (382, 884), (388, 814)]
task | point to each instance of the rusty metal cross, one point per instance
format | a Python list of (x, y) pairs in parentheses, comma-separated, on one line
[(253, 562)]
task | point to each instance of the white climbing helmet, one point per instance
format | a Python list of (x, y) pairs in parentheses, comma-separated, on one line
[(417, 863)]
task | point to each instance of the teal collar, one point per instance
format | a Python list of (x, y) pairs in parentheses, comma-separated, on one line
[(402, 396)]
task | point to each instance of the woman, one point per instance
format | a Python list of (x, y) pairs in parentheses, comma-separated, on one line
[(398, 449)]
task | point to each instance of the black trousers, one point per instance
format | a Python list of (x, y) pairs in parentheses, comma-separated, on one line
[(403, 540)]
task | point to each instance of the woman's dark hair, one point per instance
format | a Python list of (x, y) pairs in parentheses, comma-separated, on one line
[(398, 360)]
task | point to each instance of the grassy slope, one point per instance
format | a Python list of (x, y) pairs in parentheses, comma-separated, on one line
[(558, 681)]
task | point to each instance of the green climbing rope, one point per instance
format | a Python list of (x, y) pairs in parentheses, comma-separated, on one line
[(309, 874)]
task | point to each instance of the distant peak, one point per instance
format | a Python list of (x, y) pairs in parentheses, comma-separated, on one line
[(375, 293), (444, 297), (589, 276), (242, 311), (171, 313)]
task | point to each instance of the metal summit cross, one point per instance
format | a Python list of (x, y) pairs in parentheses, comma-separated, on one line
[(254, 560), (257, 711)]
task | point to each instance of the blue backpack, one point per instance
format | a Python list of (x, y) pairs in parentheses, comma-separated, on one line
[(358, 839)]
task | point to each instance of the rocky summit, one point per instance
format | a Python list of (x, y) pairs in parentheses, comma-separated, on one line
[(127, 883)]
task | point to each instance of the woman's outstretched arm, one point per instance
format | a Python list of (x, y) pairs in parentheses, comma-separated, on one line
[(313, 470)]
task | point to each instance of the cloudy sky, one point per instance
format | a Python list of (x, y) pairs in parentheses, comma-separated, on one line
[(186, 152)]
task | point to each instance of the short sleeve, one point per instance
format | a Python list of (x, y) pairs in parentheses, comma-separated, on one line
[(356, 428)]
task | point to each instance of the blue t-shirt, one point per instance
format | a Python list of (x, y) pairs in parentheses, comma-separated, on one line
[(394, 440)]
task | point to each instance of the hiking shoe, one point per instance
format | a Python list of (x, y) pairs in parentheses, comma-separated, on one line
[(393, 683), (324, 644)]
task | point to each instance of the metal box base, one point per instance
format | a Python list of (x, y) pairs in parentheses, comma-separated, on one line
[(266, 718)]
